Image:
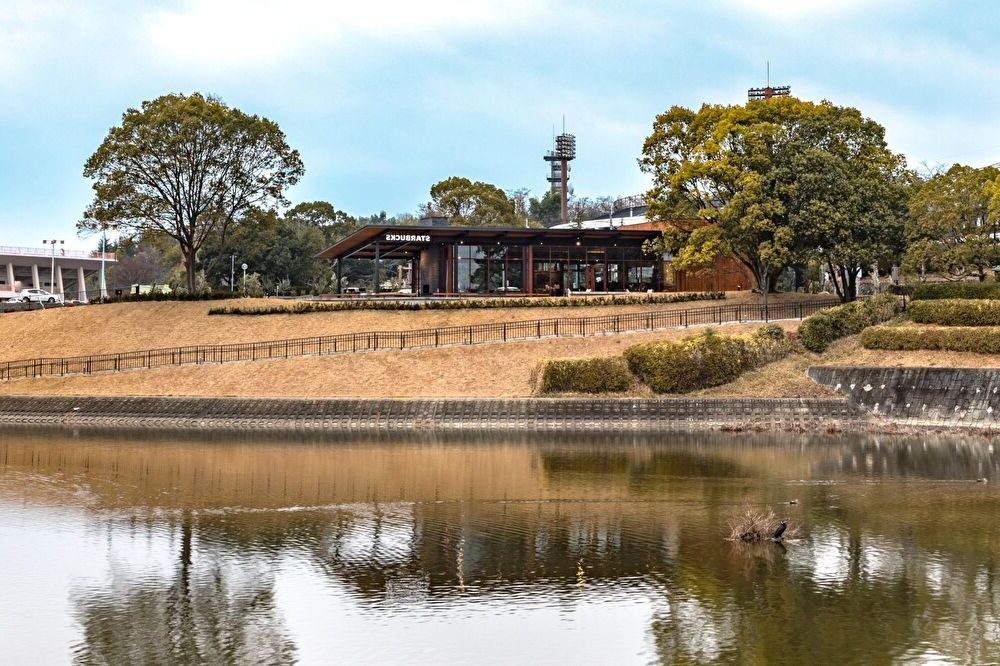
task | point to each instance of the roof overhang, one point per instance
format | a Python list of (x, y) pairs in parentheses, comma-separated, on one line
[(405, 242)]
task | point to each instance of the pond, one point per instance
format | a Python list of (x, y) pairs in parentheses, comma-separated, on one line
[(130, 548)]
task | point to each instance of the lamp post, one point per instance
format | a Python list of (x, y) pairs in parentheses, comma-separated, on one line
[(52, 268), (104, 250), (244, 279), (232, 272)]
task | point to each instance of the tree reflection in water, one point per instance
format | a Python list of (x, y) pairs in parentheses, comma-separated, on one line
[(210, 611), (897, 560)]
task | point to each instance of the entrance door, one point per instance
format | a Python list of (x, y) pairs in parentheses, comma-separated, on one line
[(597, 277)]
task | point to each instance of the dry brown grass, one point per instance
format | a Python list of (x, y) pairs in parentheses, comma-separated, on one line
[(753, 525), (494, 370), (123, 327)]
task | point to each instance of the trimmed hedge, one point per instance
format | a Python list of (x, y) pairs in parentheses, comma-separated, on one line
[(939, 290), (705, 360), (819, 330), (306, 307), (585, 375), (172, 296), (955, 312), (910, 338)]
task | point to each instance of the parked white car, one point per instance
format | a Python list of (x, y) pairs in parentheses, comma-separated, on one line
[(39, 296)]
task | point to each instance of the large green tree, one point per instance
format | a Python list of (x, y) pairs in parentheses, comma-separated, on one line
[(188, 166), (953, 227), (471, 203), (281, 250), (774, 182)]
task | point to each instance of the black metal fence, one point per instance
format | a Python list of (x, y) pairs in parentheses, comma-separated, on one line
[(347, 343)]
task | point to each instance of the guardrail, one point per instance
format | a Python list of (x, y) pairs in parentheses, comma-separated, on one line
[(350, 343), (44, 253)]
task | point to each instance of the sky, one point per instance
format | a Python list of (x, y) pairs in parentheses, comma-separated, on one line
[(383, 98)]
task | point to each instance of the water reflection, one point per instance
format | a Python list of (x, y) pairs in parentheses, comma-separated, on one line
[(568, 548)]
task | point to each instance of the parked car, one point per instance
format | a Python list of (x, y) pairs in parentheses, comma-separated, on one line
[(39, 296), (352, 290), (406, 290)]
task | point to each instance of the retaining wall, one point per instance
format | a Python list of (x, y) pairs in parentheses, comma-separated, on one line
[(442, 414), (961, 397)]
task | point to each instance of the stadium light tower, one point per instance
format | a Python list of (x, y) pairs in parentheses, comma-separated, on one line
[(767, 92), (564, 151)]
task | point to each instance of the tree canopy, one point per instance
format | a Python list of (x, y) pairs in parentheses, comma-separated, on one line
[(954, 222), (475, 204), (773, 182), (188, 166)]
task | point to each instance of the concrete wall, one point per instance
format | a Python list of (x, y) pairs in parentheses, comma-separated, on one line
[(528, 415), (964, 397)]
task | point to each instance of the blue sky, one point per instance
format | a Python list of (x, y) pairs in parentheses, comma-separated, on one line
[(383, 98)]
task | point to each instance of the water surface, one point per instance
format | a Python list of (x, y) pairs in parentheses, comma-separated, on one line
[(132, 549)]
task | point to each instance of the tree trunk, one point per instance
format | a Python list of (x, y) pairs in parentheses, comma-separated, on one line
[(835, 278), (189, 267)]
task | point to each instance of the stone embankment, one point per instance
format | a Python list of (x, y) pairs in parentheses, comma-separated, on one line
[(516, 415), (967, 398)]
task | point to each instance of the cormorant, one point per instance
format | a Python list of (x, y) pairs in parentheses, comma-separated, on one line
[(781, 530)]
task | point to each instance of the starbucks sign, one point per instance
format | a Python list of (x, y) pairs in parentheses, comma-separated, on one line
[(408, 238)]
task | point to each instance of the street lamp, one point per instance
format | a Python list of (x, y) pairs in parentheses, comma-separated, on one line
[(52, 268), (104, 252)]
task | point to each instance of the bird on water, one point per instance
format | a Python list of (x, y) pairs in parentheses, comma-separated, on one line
[(782, 526)]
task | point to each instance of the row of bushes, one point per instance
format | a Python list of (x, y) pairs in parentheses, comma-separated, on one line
[(687, 365), (171, 296), (941, 290), (306, 307), (818, 331), (956, 312), (909, 338)]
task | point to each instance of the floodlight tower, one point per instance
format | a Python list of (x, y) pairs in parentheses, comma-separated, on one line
[(559, 158), (767, 92)]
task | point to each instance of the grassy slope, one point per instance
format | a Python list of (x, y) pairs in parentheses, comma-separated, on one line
[(476, 371), (132, 326)]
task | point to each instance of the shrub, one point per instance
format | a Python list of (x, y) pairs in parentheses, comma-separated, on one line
[(585, 375), (956, 312), (172, 296), (939, 290), (705, 360), (910, 338), (819, 330), (305, 307)]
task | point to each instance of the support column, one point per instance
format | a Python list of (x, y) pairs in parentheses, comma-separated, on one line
[(35, 282), (340, 260), (528, 271), (59, 282), (378, 268), (10, 277), (81, 284)]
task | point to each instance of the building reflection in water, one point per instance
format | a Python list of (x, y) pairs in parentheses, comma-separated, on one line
[(896, 536)]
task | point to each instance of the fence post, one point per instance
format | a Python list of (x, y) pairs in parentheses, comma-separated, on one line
[(765, 313), (800, 310), (685, 319), (436, 341), (505, 331)]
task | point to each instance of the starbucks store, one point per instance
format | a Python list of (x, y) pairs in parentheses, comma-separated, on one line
[(445, 260)]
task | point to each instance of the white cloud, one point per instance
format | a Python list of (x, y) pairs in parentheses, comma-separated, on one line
[(232, 33)]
